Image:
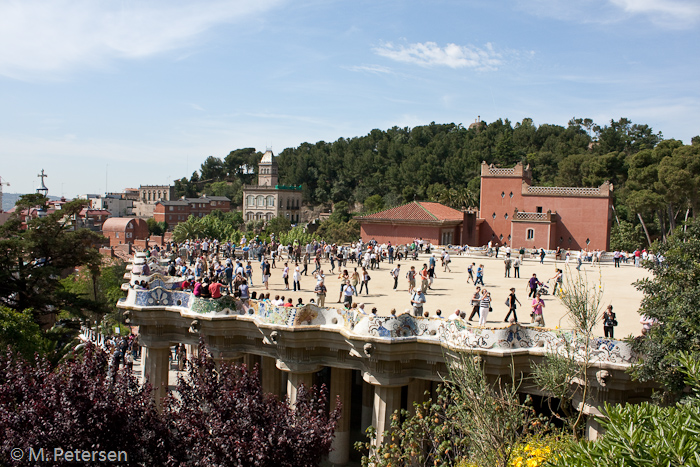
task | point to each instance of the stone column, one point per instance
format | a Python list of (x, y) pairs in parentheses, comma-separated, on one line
[(294, 381), (387, 400), (250, 360), (593, 428), (156, 368), (271, 377), (192, 351), (341, 387), (416, 393), (367, 403)]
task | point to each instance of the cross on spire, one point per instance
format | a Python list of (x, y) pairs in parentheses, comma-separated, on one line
[(42, 189)]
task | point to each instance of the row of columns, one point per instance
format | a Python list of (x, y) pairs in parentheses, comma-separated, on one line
[(379, 402)]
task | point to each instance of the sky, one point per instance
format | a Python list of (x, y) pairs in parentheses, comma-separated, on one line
[(106, 95)]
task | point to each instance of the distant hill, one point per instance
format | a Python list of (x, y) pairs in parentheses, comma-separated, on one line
[(9, 200)]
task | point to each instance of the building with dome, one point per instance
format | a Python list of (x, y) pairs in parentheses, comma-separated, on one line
[(268, 198)]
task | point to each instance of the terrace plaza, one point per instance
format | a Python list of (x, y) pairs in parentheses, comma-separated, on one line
[(378, 364)]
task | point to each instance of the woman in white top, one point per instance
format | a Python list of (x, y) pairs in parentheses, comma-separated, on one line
[(297, 278), (484, 307)]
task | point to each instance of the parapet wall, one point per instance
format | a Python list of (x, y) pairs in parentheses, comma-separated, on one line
[(434, 332)]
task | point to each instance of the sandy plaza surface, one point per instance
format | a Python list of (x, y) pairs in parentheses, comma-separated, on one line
[(450, 290)]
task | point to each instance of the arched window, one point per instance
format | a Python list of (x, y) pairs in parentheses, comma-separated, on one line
[(271, 201), (251, 200), (249, 216), (261, 200)]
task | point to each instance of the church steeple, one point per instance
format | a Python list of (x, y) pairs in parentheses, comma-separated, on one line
[(267, 170)]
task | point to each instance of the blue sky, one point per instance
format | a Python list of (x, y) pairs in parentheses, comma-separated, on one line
[(109, 95)]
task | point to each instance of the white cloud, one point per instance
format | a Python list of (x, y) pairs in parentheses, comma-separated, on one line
[(671, 14), (43, 39), (452, 55), (374, 69)]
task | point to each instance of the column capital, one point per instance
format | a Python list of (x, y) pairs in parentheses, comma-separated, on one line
[(295, 367), (385, 380)]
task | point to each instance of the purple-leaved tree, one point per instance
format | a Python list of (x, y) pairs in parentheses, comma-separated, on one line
[(222, 417)]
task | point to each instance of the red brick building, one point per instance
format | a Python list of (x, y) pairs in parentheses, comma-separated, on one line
[(433, 222), (514, 212), (123, 230), (174, 212)]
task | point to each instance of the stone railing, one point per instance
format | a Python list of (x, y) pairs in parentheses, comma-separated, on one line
[(445, 332), (532, 216), (562, 191), (501, 171), (155, 280)]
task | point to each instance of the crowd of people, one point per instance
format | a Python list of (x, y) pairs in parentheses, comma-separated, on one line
[(210, 269)]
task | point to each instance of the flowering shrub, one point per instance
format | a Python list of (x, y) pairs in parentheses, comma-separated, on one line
[(537, 451)]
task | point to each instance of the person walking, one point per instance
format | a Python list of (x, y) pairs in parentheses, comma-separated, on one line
[(344, 277), (508, 263), (296, 278), (558, 280), (484, 307), (354, 280), (266, 274), (424, 278), (516, 268), (476, 301), (470, 270), (447, 260), (609, 322), (365, 281), (411, 275), (533, 283), (537, 309), (348, 292), (395, 274), (511, 303), (480, 275), (542, 255), (306, 265), (285, 276), (321, 291), (417, 302)]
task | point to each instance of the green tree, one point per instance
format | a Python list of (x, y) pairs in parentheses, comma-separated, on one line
[(339, 232), (563, 374), (646, 434), (374, 203), (278, 225), (340, 212), (212, 169), (626, 237), (33, 259), (242, 164), (670, 298), (184, 187), (101, 287), (231, 190), (191, 229), (472, 422), (156, 228), (19, 331)]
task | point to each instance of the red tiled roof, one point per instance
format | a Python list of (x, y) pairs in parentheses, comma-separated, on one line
[(417, 211)]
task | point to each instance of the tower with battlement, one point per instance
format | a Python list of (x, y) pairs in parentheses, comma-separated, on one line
[(513, 212)]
